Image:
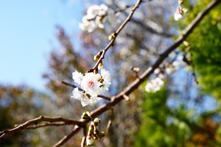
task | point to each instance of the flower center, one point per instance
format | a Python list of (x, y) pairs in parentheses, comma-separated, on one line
[(90, 84)]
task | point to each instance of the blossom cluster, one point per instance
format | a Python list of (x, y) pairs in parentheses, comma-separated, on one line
[(157, 83), (179, 11), (93, 84), (96, 16)]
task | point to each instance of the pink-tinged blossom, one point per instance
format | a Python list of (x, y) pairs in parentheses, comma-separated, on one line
[(91, 84), (154, 85)]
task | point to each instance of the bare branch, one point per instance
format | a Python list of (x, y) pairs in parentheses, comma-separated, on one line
[(83, 142), (25, 125), (110, 121), (49, 124), (67, 137)]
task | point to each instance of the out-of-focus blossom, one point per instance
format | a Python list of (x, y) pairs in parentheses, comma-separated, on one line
[(89, 140), (180, 11), (95, 18), (154, 85), (178, 14)]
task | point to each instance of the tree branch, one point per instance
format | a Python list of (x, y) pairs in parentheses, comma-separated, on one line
[(83, 142), (67, 137), (27, 124), (49, 124)]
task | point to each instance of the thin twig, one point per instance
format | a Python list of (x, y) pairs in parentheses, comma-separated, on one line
[(50, 124), (68, 84), (25, 125), (117, 32), (83, 142), (110, 121), (67, 137)]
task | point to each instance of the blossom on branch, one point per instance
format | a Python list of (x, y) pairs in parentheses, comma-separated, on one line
[(179, 11), (93, 84), (95, 18)]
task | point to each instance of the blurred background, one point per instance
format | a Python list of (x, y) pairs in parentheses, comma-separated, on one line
[(41, 44)]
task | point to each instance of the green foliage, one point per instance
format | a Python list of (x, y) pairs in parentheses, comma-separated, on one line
[(205, 45), (159, 126)]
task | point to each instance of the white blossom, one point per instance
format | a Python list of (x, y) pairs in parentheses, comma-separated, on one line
[(89, 140), (154, 85), (96, 16), (170, 70), (102, 10), (92, 11), (90, 84), (178, 15), (78, 77), (105, 75), (80, 96), (87, 25)]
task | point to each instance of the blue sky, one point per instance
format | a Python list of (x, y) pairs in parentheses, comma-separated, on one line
[(27, 35)]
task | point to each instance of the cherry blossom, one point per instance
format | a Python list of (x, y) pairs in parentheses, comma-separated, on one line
[(178, 14), (92, 85), (78, 77), (154, 85), (95, 18)]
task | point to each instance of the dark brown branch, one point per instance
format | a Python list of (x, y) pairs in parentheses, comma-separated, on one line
[(35, 121), (67, 137), (50, 124), (68, 84), (117, 32)]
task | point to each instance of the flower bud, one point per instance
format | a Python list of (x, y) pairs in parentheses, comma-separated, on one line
[(112, 36), (85, 116), (100, 135), (97, 57), (180, 2), (135, 69), (97, 121), (100, 66)]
